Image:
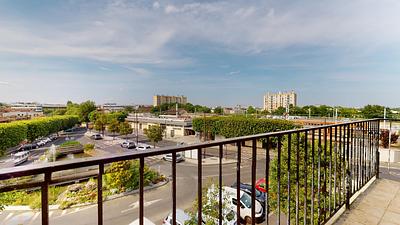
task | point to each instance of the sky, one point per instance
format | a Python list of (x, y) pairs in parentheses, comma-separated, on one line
[(335, 52)]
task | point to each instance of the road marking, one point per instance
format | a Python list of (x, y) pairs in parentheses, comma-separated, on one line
[(34, 217), (75, 211), (63, 212), (136, 205), (8, 216)]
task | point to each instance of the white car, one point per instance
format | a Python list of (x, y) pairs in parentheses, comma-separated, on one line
[(179, 157), (245, 205), (143, 147), (181, 218)]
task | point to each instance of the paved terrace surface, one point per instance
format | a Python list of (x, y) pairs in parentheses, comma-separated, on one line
[(379, 204)]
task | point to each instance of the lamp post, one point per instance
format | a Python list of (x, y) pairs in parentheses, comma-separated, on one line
[(136, 128)]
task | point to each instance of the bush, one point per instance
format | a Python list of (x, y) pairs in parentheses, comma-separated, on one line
[(88, 147), (384, 137), (70, 143), (12, 134), (236, 126)]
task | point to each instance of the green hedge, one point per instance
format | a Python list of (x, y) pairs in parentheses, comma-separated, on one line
[(236, 126), (11, 134)]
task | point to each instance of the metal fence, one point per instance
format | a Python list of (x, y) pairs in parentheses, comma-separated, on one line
[(310, 173)]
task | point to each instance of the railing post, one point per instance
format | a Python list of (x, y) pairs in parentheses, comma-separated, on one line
[(45, 198), (348, 173), (100, 195), (377, 151)]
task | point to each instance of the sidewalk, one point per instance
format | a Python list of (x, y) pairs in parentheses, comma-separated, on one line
[(379, 204)]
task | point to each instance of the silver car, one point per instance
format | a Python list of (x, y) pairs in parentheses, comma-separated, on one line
[(179, 157)]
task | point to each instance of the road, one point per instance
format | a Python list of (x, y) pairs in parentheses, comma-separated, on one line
[(158, 202)]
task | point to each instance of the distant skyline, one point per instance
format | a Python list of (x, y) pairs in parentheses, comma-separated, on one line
[(214, 52)]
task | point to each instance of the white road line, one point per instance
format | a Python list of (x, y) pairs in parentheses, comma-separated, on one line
[(8, 216), (34, 217), (63, 212)]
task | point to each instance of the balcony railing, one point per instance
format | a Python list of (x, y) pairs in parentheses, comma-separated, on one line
[(310, 173)]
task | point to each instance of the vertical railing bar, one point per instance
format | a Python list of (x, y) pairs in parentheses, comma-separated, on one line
[(335, 170), (297, 176), (319, 175), (325, 162), (377, 152), (348, 175), (253, 181), (141, 191), (100, 194), (330, 172), (220, 185), (312, 177), (266, 205), (340, 165), (238, 181), (173, 188), (288, 175), (45, 198), (343, 161), (361, 166), (278, 219), (305, 175), (199, 186)]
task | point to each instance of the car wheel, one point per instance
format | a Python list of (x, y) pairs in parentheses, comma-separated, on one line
[(247, 220)]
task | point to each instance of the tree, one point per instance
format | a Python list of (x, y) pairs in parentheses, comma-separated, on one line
[(218, 110), (101, 123), (113, 126), (129, 109), (125, 128), (85, 108), (154, 134), (251, 110), (72, 109), (384, 137), (374, 111), (279, 111)]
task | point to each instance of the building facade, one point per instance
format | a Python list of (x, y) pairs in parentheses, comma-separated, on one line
[(273, 101), (162, 99)]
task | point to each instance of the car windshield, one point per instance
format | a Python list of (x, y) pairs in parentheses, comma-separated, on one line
[(246, 200)]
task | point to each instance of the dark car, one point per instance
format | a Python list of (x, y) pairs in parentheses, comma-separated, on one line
[(260, 196), (128, 144), (27, 147)]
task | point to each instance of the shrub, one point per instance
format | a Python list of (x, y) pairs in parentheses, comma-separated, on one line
[(384, 137), (88, 147)]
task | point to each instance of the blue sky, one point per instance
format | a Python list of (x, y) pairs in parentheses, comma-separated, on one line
[(215, 52)]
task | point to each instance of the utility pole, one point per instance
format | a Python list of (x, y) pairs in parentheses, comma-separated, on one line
[(309, 113), (137, 126)]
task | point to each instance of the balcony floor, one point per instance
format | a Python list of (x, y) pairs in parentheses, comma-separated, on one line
[(379, 204)]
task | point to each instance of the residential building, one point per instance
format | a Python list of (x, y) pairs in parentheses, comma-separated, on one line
[(162, 99), (112, 107), (31, 106), (273, 101)]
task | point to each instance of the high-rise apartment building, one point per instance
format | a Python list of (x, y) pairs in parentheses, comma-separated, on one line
[(273, 101), (161, 99)]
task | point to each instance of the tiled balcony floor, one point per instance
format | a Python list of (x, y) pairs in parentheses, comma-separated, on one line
[(379, 204)]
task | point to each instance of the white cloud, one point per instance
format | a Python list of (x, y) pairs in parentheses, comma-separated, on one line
[(4, 83), (234, 72), (135, 33)]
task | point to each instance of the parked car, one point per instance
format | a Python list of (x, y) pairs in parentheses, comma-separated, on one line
[(245, 205), (41, 142), (96, 137), (128, 144), (261, 185), (143, 147), (181, 218), (179, 157), (27, 147), (260, 196)]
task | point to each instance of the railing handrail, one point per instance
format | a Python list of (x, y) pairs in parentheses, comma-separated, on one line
[(13, 172)]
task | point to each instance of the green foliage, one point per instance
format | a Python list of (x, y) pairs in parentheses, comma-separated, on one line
[(124, 175), (251, 110), (374, 111), (101, 122), (70, 143), (236, 126), (85, 108), (125, 128), (219, 110), (113, 126), (305, 163), (154, 133), (88, 147), (188, 107), (119, 116), (13, 133)]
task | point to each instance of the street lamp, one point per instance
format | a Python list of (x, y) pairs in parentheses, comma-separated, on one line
[(136, 128)]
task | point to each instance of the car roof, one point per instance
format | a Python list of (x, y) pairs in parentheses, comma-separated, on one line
[(181, 216)]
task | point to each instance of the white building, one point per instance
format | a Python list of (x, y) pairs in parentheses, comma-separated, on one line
[(273, 101)]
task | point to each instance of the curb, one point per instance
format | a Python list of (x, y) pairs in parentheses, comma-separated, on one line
[(108, 198), (194, 161)]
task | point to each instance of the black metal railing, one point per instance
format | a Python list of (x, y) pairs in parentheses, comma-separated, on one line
[(310, 173)]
